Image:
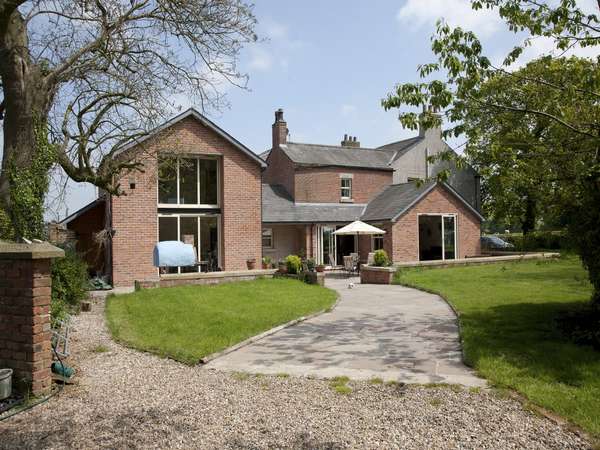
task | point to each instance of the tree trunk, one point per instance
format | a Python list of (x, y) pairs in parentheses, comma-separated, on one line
[(26, 103), (528, 223)]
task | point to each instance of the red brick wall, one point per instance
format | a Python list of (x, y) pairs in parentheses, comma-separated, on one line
[(25, 287), (134, 215), (403, 242), (280, 170), (322, 184)]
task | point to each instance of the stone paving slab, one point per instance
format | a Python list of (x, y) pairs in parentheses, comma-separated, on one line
[(390, 332)]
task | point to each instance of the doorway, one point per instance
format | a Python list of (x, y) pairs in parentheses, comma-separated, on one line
[(437, 237), (331, 249), (344, 246)]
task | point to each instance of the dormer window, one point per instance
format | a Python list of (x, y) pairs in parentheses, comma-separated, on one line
[(346, 187)]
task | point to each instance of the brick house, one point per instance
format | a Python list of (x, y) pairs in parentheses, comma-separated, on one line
[(202, 186), (198, 185), (311, 190)]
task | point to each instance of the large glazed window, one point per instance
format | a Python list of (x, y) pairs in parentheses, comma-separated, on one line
[(188, 182), (200, 231)]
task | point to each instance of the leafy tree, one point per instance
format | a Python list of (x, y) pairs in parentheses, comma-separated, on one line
[(82, 78), (529, 163), (536, 129)]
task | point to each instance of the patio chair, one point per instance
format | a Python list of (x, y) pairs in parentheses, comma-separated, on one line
[(349, 265), (371, 258)]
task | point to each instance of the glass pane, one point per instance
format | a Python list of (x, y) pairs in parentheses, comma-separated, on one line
[(167, 231), (188, 233), (208, 182), (167, 180), (209, 242), (328, 246), (188, 181), (267, 237), (449, 250)]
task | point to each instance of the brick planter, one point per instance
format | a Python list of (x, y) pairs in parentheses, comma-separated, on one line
[(376, 275)]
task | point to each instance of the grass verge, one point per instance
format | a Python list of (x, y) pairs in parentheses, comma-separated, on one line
[(508, 326), (187, 323)]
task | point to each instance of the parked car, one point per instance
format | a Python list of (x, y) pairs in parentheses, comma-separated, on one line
[(495, 243)]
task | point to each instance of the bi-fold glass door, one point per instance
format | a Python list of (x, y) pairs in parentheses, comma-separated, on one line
[(326, 251), (437, 237)]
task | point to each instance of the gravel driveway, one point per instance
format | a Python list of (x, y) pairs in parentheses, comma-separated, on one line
[(125, 398)]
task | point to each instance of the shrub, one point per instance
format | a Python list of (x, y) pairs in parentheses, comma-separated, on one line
[(381, 258), (293, 263), (267, 261), (310, 264), (69, 282), (538, 240)]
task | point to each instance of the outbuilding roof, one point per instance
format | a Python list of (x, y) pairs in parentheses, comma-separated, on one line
[(279, 207), (396, 199)]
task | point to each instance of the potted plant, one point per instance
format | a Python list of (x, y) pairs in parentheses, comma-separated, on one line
[(320, 267), (310, 264), (294, 264), (251, 263), (266, 262)]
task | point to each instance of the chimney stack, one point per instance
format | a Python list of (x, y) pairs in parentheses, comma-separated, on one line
[(350, 141), (435, 132), (280, 130)]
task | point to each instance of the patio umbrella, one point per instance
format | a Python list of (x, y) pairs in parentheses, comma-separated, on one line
[(357, 228)]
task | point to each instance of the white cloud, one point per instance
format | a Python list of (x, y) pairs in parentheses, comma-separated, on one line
[(260, 59), (419, 13), (347, 110)]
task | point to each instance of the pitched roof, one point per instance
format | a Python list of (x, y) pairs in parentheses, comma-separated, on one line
[(265, 155), (191, 112), (396, 199), (330, 155), (279, 207), (82, 210), (397, 149)]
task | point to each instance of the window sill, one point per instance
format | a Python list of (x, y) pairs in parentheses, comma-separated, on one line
[(190, 206), (346, 200)]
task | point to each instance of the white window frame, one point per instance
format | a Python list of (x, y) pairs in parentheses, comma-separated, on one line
[(442, 215), (272, 240), (342, 187), (191, 205), (198, 250)]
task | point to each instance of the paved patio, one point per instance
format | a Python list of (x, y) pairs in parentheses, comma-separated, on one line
[(389, 332)]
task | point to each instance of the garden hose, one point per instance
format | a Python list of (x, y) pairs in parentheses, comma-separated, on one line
[(45, 399)]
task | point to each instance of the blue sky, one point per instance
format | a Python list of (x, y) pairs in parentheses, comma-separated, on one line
[(329, 63)]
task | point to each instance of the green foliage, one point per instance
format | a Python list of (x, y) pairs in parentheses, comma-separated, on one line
[(381, 258), (310, 264), (69, 283), (533, 132), (28, 187), (293, 263), (538, 240), (7, 231), (267, 261)]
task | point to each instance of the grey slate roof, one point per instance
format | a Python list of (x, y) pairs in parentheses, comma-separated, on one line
[(397, 149), (396, 199), (265, 155), (279, 207), (330, 155)]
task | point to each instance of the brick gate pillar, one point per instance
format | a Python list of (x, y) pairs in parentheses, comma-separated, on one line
[(25, 287)]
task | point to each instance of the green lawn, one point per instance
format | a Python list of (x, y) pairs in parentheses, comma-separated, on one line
[(507, 318), (189, 322)]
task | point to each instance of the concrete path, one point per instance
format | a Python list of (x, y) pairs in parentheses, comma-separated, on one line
[(390, 332)]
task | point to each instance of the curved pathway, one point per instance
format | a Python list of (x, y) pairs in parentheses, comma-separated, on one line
[(389, 332)]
